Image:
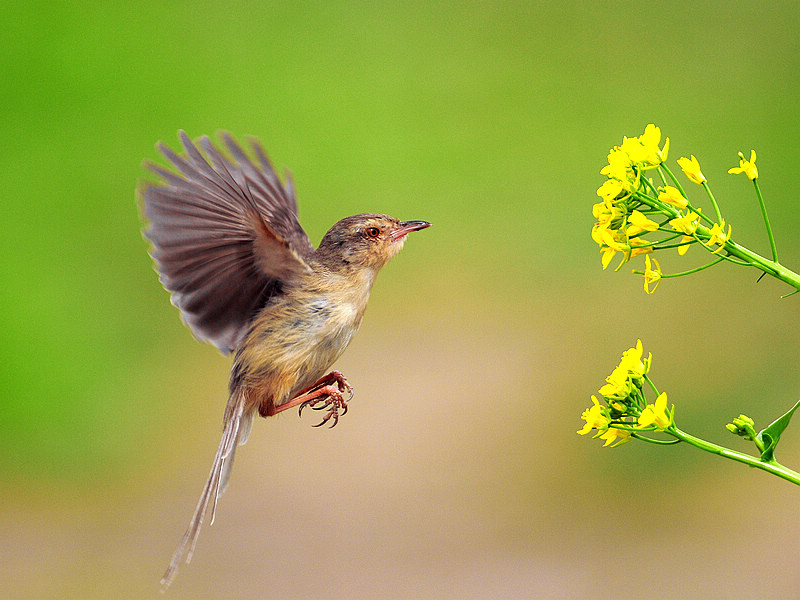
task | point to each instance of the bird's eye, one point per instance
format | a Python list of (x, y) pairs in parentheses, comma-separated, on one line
[(372, 232)]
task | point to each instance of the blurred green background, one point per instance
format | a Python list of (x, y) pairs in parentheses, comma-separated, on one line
[(457, 473)]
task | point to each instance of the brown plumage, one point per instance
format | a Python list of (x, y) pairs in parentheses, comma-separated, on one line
[(229, 247)]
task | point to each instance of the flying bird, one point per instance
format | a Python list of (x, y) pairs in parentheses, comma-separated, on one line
[(228, 246)]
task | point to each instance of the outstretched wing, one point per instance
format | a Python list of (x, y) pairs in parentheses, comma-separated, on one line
[(225, 236)]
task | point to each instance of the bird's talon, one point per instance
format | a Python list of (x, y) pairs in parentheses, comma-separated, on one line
[(333, 401), (331, 415)]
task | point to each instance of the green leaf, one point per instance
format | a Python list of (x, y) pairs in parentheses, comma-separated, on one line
[(770, 436)]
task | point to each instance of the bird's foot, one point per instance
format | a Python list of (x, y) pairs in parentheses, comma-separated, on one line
[(333, 401), (328, 393)]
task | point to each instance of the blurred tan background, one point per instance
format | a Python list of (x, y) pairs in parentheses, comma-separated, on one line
[(457, 472)]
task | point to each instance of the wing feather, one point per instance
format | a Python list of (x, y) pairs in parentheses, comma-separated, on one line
[(225, 235)]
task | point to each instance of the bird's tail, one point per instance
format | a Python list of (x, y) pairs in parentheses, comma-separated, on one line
[(237, 424)]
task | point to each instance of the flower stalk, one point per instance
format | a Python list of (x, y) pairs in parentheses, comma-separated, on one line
[(625, 415), (773, 467), (636, 217)]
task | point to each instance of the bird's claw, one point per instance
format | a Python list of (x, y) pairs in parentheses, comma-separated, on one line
[(341, 383), (332, 400), (329, 393)]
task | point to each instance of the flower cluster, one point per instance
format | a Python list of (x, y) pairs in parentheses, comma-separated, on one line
[(626, 411), (620, 222), (637, 216), (743, 426)]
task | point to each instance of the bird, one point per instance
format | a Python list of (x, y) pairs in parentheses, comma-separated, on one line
[(228, 245)]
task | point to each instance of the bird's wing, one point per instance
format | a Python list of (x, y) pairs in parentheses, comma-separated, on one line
[(225, 236)]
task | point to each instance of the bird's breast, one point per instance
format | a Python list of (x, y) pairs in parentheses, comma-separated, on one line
[(293, 342)]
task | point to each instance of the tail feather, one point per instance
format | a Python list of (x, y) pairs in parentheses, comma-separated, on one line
[(236, 423), (245, 425)]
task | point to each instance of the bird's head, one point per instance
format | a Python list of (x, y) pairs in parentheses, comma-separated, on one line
[(365, 241)]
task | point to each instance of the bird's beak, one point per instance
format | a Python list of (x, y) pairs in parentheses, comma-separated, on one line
[(407, 227)]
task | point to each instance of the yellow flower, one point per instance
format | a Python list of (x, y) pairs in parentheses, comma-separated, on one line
[(638, 223), (632, 361), (595, 418), (686, 224), (632, 149), (612, 433), (608, 255), (686, 241), (619, 165), (615, 238), (651, 275), (748, 167), (613, 241), (643, 150), (609, 219), (650, 139), (691, 167), (664, 151), (608, 216), (718, 235), (633, 355), (610, 190), (672, 196), (619, 384), (597, 232), (639, 247), (604, 211), (657, 414)]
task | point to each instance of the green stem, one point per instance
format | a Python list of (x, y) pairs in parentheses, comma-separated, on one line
[(695, 270), (770, 467), (647, 183), (643, 438), (771, 267), (689, 272), (766, 221), (678, 186), (663, 244), (656, 205), (713, 202), (674, 179), (651, 384)]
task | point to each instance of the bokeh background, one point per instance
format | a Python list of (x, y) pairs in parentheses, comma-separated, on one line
[(457, 472)]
